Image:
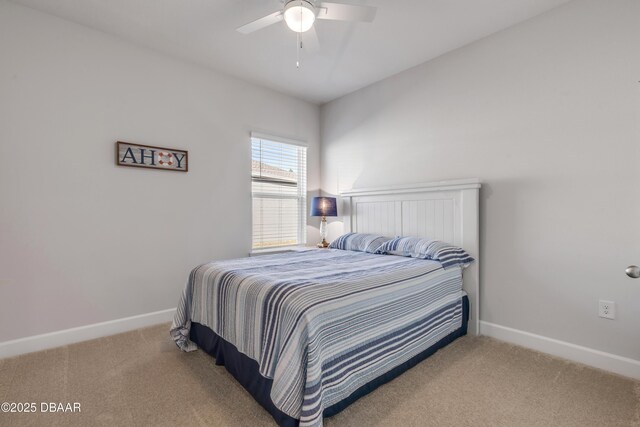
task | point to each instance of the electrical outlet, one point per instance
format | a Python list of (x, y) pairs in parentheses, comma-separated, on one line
[(607, 309)]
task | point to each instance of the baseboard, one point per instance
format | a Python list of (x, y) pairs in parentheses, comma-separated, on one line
[(588, 356), (83, 333)]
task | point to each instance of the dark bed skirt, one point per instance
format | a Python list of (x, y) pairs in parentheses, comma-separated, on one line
[(246, 370)]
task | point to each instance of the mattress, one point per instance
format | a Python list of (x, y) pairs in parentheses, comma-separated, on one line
[(321, 325)]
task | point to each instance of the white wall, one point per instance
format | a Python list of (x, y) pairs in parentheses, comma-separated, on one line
[(547, 114), (84, 241)]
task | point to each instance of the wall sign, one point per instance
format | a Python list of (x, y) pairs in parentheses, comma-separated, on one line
[(148, 156)]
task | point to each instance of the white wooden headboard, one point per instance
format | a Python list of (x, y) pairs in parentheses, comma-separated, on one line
[(445, 210)]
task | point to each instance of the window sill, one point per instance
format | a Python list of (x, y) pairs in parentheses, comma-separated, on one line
[(278, 250)]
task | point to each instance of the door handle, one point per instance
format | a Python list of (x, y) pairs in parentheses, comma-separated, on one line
[(633, 271)]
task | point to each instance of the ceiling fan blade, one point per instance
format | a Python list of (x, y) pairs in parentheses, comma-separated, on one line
[(310, 40), (259, 24), (346, 12)]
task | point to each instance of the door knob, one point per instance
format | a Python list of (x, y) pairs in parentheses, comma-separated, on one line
[(633, 271)]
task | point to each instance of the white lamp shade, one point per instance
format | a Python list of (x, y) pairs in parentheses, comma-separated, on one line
[(299, 15)]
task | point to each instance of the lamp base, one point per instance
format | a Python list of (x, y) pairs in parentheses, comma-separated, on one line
[(323, 244)]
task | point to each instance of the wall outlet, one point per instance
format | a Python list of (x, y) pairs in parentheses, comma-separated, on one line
[(607, 309)]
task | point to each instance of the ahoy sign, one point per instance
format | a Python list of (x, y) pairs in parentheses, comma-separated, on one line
[(148, 156)]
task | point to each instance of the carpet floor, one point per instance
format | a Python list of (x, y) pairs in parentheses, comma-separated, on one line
[(140, 378)]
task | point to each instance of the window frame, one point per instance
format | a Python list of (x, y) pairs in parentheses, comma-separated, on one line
[(301, 195)]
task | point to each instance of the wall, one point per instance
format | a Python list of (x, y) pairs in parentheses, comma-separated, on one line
[(84, 241), (547, 114)]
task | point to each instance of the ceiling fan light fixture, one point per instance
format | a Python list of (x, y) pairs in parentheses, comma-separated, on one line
[(299, 15)]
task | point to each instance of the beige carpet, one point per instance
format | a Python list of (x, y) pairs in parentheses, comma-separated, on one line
[(141, 378)]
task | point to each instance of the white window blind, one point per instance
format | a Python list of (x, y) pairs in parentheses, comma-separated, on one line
[(279, 193)]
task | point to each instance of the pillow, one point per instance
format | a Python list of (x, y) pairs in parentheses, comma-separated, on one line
[(416, 247), (359, 242)]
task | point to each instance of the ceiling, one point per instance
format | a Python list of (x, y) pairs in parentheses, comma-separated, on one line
[(405, 33)]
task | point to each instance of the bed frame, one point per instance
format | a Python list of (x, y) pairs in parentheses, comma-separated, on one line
[(445, 210)]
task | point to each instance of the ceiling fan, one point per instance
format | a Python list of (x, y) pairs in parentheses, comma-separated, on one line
[(300, 15)]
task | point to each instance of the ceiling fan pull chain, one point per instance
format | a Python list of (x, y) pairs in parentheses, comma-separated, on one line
[(299, 44), (298, 47)]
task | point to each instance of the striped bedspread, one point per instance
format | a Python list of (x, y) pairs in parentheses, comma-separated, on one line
[(322, 322)]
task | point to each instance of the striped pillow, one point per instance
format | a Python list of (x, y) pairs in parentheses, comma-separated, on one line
[(359, 242), (416, 247)]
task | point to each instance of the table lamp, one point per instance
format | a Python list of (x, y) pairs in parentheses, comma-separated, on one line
[(324, 207)]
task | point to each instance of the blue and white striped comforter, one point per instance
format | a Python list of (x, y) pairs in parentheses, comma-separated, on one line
[(322, 323)]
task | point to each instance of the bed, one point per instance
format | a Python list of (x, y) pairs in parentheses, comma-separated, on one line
[(310, 331)]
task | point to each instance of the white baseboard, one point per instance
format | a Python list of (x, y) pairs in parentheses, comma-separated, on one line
[(83, 333), (588, 356)]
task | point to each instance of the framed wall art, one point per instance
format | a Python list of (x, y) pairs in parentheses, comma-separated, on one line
[(151, 157)]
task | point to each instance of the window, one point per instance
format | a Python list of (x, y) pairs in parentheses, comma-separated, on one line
[(279, 192)]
